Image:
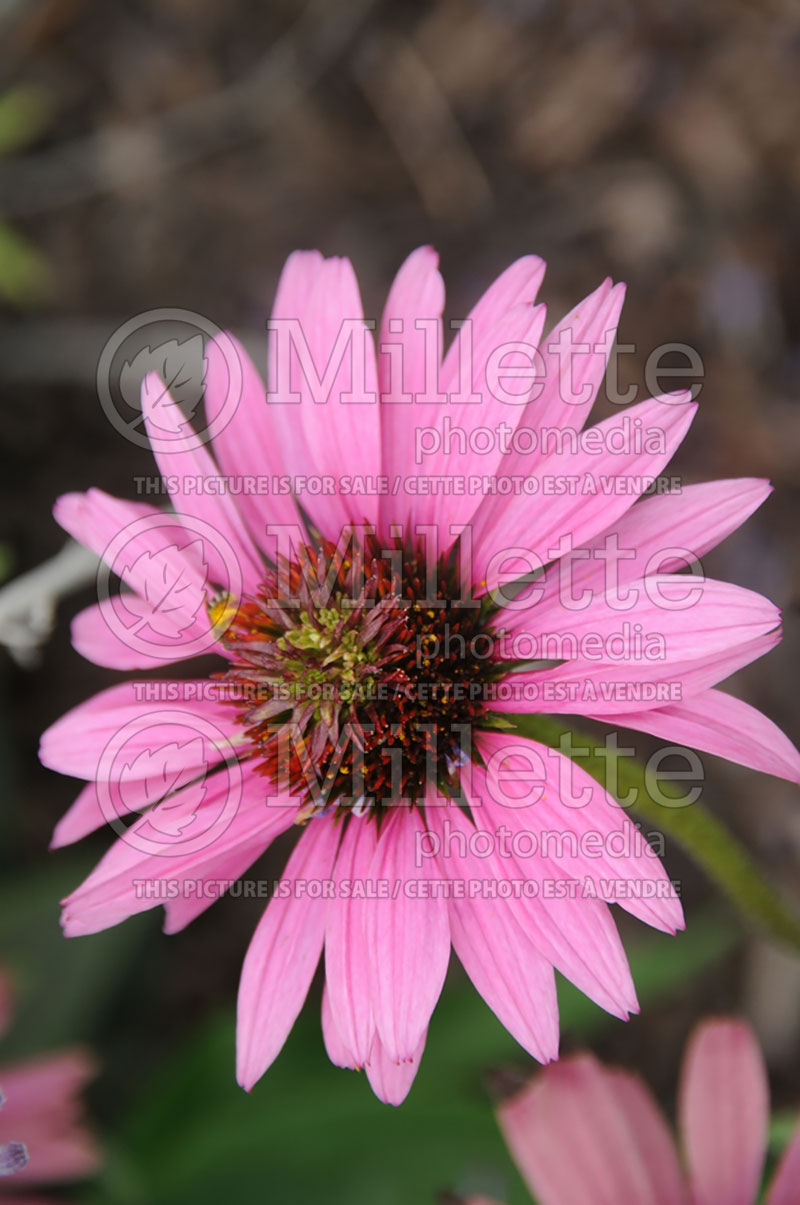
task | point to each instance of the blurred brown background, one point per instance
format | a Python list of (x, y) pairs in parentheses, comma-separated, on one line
[(174, 152)]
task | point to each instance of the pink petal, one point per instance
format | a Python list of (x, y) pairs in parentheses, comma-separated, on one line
[(569, 383), (170, 854), (651, 1137), (519, 332), (98, 637), (575, 513), (330, 436), (54, 1159), (84, 817), (572, 382), (505, 965), (161, 612), (508, 971), (297, 281), (203, 723), (283, 954), (337, 1052), (408, 940), (589, 688), (248, 446), (391, 1081), (128, 631), (95, 518), (98, 520), (606, 850), (784, 1187), (240, 848), (576, 935), (723, 1112), (721, 724), (517, 285), (648, 537), (416, 295), (346, 959), (50, 1081), (43, 1104), (590, 841), (105, 802), (189, 472), (708, 617), (579, 1132)]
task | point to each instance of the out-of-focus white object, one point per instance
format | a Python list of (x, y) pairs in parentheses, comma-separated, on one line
[(28, 603)]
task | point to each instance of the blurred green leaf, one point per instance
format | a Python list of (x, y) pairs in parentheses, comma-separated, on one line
[(782, 1129), (24, 273), (24, 114), (707, 841)]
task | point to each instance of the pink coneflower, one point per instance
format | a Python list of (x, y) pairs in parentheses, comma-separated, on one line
[(584, 1132), (42, 1109), (359, 600)]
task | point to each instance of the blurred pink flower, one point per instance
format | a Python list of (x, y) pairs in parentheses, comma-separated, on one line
[(415, 607), (583, 1132), (42, 1109)]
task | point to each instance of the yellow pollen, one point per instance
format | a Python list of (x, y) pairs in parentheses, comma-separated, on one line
[(222, 610)]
